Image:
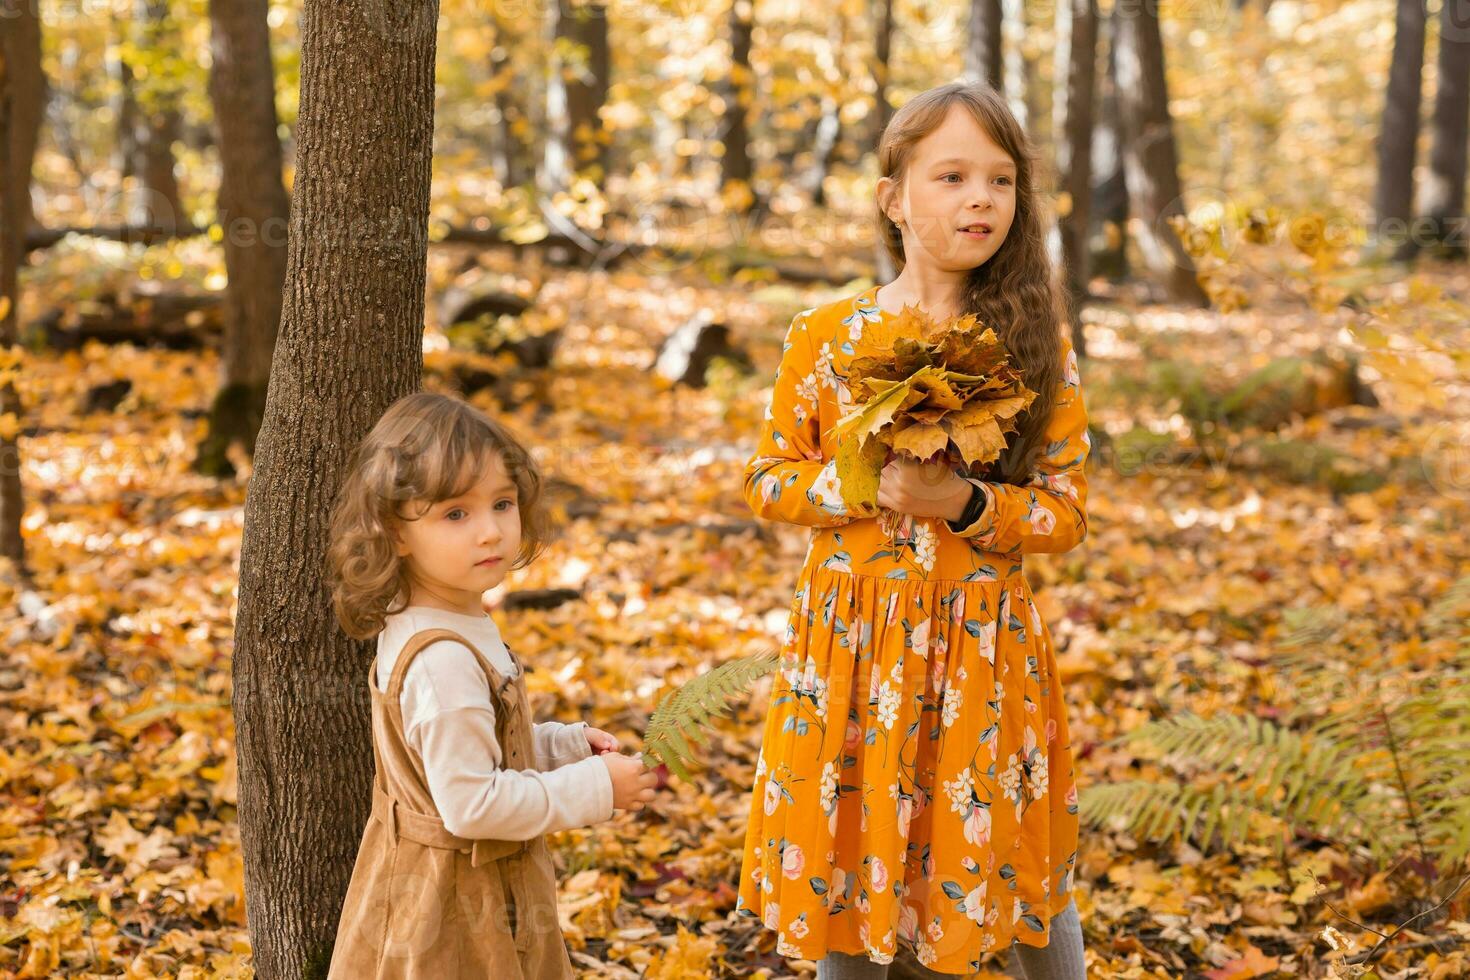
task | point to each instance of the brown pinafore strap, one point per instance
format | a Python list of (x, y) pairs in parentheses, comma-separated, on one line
[(427, 828)]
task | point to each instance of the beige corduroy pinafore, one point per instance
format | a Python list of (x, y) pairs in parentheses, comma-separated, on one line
[(424, 904)]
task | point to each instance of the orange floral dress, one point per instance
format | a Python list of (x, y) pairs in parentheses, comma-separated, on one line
[(915, 780)]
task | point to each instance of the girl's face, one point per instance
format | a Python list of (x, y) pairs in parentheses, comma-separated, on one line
[(463, 546), (957, 177)]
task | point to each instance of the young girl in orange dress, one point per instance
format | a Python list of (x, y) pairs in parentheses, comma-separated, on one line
[(915, 783)]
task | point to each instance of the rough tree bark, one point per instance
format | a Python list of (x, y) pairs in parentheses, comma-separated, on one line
[(350, 344), (253, 215)]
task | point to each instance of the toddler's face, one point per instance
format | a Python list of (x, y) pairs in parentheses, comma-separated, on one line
[(957, 176), (465, 544)]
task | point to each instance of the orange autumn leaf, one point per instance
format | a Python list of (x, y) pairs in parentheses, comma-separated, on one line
[(1253, 964)]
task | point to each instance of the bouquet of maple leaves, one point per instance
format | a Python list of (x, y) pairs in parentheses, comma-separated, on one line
[(925, 390)]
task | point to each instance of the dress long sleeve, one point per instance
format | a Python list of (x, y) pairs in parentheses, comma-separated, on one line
[(1049, 512), (788, 479)]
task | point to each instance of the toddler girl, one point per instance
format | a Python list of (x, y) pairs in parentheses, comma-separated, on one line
[(453, 877)]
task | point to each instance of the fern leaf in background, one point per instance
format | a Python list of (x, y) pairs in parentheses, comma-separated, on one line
[(1371, 752), (682, 715)]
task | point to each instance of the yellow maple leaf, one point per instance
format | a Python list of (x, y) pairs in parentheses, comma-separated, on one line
[(690, 955)]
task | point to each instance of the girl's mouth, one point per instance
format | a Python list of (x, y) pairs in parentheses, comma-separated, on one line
[(977, 235), (488, 562)]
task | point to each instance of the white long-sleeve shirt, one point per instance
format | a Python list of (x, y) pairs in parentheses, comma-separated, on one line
[(449, 722)]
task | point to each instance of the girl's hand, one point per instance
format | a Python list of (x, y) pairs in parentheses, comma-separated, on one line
[(923, 489), (601, 741), (633, 782)]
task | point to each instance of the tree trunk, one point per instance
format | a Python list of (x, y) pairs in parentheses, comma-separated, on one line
[(739, 95), (253, 212), (829, 125), (1017, 74), (1444, 192), (882, 48), (572, 123), (588, 94), (12, 504), (829, 130), (1149, 159), (350, 344), (983, 60), (1107, 233), (506, 151), (28, 100), (1076, 67), (148, 128), (1393, 201)]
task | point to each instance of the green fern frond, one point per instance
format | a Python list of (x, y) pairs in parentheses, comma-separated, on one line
[(1272, 759), (1449, 611), (1357, 756), (1156, 811), (1305, 781), (682, 715), (1309, 626)]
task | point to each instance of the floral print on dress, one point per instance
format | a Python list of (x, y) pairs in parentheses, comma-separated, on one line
[(915, 782)]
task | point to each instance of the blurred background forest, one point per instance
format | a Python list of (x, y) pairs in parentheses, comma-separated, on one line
[(1257, 212)]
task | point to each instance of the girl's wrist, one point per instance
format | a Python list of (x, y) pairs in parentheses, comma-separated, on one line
[(966, 510), (958, 500)]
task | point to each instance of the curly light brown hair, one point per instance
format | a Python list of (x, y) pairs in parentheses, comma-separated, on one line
[(426, 447), (1014, 292)]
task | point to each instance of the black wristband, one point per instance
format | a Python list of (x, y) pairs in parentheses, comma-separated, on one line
[(973, 510)]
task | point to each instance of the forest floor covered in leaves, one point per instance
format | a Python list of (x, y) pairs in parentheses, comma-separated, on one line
[(117, 769)]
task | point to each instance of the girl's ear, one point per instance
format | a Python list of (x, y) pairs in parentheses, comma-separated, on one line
[(887, 191)]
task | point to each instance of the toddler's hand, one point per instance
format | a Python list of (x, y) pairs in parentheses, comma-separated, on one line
[(601, 741), (632, 781)]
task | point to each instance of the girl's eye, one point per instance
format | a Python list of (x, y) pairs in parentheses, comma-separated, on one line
[(1006, 179), (511, 503), (452, 513), (950, 175)]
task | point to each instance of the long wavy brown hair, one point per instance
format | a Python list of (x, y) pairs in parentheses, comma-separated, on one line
[(1014, 292), (425, 448)]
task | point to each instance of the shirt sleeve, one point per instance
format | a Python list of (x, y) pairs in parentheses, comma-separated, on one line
[(788, 479), (558, 744), (478, 799), (449, 720), (1049, 512)]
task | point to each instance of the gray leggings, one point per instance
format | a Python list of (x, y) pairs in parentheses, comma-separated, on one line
[(1060, 959)]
